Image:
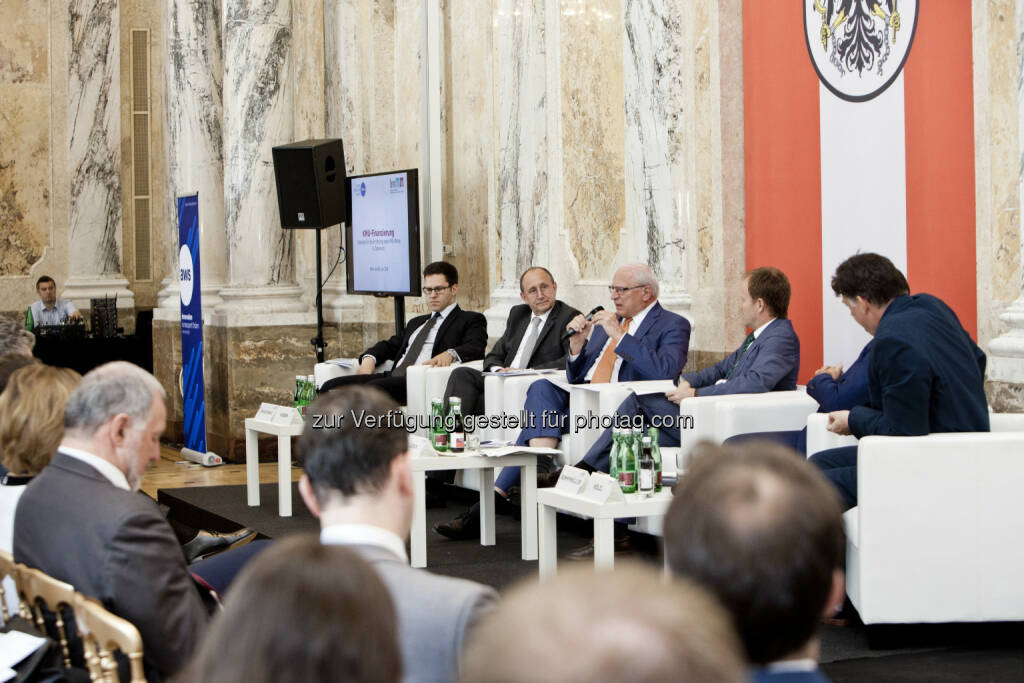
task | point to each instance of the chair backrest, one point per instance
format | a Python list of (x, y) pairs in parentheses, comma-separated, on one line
[(102, 633), (43, 593), (9, 593)]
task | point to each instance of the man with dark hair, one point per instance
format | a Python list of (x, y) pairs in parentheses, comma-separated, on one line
[(925, 373), (358, 482), (763, 531), (445, 336), (50, 310)]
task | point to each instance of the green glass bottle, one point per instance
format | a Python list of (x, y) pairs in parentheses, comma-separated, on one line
[(613, 456), (656, 453), (29, 323), (438, 433), (627, 475), (300, 388)]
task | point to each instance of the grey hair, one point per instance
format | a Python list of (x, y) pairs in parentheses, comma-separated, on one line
[(14, 338), (642, 275), (109, 390)]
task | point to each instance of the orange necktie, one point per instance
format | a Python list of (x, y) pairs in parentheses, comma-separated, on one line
[(603, 372)]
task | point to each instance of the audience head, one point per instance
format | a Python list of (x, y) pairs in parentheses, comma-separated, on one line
[(349, 465), (15, 339), (766, 296), (440, 285), (630, 626), (762, 529), (302, 611), (11, 362), (47, 290), (538, 290), (867, 283), (32, 416), (633, 289), (117, 412)]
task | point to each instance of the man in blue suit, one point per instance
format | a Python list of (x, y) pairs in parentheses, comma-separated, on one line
[(762, 530), (768, 360), (925, 373), (639, 340)]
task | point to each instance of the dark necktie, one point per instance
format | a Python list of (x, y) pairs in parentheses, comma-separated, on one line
[(531, 342), (417, 345), (743, 349)]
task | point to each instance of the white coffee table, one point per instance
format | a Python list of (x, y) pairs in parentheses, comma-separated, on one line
[(550, 501), (284, 434), (428, 461)]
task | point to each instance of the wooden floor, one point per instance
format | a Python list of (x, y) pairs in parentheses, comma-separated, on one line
[(173, 472)]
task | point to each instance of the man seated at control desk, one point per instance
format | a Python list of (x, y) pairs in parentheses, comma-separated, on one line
[(49, 310)]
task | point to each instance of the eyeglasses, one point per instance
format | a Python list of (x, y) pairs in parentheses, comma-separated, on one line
[(427, 291), (613, 290)]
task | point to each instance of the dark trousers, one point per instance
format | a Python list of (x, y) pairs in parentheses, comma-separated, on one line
[(394, 386), (467, 384), (839, 466), (797, 440), (221, 569), (599, 454)]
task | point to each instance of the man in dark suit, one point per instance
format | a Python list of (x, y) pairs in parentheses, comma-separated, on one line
[(639, 340), (768, 360), (358, 482), (82, 521), (445, 336), (925, 373), (532, 339), (762, 530)]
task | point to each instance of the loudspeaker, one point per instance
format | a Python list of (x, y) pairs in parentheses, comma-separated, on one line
[(310, 183)]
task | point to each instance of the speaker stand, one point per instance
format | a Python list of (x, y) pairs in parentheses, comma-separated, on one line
[(318, 341)]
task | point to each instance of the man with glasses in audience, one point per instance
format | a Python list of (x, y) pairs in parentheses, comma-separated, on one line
[(639, 340), (445, 336)]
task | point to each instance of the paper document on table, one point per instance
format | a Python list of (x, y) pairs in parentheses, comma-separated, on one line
[(15, 646), (342, 362), (518, 373), (514, 450)]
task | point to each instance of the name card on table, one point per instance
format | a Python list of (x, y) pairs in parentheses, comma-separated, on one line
[(572, 480), (278, 415), (601, 488), (266, 412)]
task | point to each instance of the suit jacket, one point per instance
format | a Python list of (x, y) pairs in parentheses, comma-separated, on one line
[(113, 545), (759, 675), (550, 351), (925, 374), (770, 363), (434, 614), (851, 389), (656, 351), (463, 331)]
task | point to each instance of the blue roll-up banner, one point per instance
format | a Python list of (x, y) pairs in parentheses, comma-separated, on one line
[(191, 323)]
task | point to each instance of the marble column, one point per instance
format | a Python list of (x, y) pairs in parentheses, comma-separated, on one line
[(655, 174), (1006, 352), (522, 223), (193, 142), (258, 114), (94, 154)]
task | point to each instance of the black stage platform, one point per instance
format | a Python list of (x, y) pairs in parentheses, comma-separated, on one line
[(971, 652)]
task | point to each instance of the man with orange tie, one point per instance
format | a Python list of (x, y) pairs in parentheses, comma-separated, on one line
[(640, 340)]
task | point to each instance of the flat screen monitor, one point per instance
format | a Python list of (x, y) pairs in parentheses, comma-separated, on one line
[(382, 233)]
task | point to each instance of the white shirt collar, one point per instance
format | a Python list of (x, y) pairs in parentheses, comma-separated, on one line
[(638, 319), (443, 313), (759, 330), (786, 665), (107, 469), (364, 534)]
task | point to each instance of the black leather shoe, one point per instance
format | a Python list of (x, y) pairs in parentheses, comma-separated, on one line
[(546, 480), (623, 546), (207, 543), (464, 527)]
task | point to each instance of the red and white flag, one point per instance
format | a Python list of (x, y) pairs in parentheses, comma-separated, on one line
[(859, 136)]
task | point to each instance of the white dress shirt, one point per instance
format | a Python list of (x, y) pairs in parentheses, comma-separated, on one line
[(364, 534), (519, 362), (427, 352)]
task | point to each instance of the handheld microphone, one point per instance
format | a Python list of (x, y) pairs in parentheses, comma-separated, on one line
[(569, 333)]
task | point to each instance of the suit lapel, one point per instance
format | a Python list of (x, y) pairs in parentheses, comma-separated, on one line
[(549, 324), (448, 321), (649, 320)]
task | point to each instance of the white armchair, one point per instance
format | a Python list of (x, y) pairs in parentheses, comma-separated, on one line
[(936, 534), (423, 382)]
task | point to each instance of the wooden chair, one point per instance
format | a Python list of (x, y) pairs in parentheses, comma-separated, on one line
[(102, 633), (43, 593), (9, 579)]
